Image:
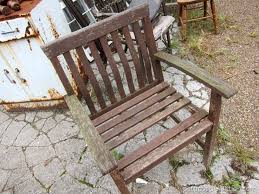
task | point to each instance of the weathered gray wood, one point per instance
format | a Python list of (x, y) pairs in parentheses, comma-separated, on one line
[(218, 85), (101, 154), (214, 114), (94, 31)]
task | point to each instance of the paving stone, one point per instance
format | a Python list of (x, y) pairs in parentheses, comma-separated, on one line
[(154, 131), (37, 155), (206, 107), (174, 71), (63, 131), (256, 174), (221, 167), (160, 173), (253, 186), (48, 172), (20, 117), (49, 124), (30, 116), (135, 143), (3, 117), (190, 175), (169, 123), (204, 94), (178, 79), (3, 127), (30, 186), (197, 94), (182, 90), (107, 183), (44, 114), (11, 157), (183, 114), (12, 132), (194, 86), (149, 188), (203, 189), (59, 117), (4, 175), (18, 176), (190, 154), (169, 77), (39, 124), (170, 190), (99, 191), (41, 140), (26, 136), (197, 101), (9, 191), (86, 169), (70, 150)]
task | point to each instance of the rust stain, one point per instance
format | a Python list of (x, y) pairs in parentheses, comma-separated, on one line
[(81, 68), (31, 106), (29, 43), (54, 94), (26, 7), (53, 27)]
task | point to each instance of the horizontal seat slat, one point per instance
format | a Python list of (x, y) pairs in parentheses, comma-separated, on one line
[(144, 164), (164, 137), (119, 109), (140, 117), (136, 109), (135, 130)]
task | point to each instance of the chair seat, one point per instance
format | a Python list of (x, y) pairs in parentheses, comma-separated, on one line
[(140, 113), (185, 2)]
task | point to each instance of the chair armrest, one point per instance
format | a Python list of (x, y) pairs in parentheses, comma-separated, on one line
[(219, 86), (101, 154)]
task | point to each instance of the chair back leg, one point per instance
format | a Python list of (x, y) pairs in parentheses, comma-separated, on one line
[(214, 15)]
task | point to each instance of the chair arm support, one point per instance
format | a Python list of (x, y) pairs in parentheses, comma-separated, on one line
[(101, 154), (219, 86)]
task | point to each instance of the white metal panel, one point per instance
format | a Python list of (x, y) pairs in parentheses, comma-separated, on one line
[(15, 29), (10, 90), (33, 70), (49, 20)]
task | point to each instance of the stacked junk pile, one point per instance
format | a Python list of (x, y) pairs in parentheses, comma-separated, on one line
[(8, 6)]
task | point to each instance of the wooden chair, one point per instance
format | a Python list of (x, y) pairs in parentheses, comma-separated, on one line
[(183, 8), (149, 98)]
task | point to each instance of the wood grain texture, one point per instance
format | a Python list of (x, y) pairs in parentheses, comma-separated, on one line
[(161, 139), (141, 126), (218, 85), (94, 31), (101, 154), (155, 157)]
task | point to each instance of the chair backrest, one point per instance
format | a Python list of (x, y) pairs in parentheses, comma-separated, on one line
[(141, 74)]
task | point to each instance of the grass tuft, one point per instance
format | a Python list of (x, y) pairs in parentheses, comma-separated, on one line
[(175, 163), (232, 182), (117, 155)]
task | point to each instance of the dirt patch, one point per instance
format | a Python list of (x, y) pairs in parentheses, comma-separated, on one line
[(233, 55)]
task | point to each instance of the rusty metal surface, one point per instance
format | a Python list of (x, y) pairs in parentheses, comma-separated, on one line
[(26, 7)]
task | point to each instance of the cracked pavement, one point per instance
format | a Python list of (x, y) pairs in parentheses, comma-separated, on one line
[(43, 152)]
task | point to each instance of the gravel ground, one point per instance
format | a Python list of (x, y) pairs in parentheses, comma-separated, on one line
[(234, 56)]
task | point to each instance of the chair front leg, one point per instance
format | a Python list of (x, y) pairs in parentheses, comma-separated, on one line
[(214, 114), (119, 181)]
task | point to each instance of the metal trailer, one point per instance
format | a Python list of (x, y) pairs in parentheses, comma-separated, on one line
[(27, 78)]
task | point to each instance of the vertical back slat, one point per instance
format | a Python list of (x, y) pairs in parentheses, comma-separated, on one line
[(62, 76), (79, 81), (142, 44), (123, 58), (103, 72), (136, 61), (148, 29), (87, 68), (113, 66)]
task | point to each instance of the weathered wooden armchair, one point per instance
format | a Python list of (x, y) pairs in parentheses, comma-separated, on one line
[(149, 98)]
